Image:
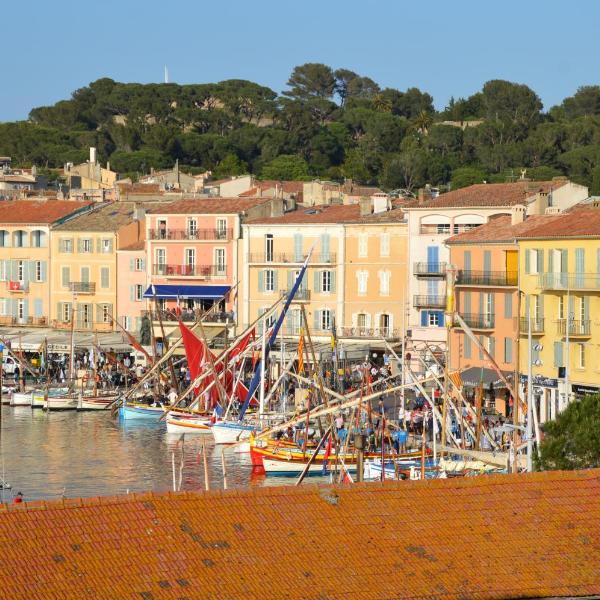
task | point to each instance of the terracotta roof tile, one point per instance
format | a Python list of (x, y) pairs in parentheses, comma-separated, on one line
[(38, 211), (330, 213), (210, 206), (507, 536), (489, 194), (582, 222), (108, 216), (499, 229)]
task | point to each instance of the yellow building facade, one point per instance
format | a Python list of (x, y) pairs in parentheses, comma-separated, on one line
[(83, 278), (559, 277)]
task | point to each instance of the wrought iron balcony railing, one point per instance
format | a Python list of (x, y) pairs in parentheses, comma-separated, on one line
[(491, 278), (190, 234)]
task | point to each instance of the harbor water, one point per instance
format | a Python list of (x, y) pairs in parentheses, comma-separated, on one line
[(72, 454)]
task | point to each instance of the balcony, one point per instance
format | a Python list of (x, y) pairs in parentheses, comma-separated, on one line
[(429, 301), (429, 269), (285, 257), (576, 328), (479, 321), (569, 281), (82, 325), (190, 316), (446, 229), (17, 286), (302, 295), (190, 234), (198, 271), (489, 278), (82, 287), (370, 333), (28, 321), (537, 326)]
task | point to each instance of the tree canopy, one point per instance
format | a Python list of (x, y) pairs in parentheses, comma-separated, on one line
[(328, 123), (572, 441)]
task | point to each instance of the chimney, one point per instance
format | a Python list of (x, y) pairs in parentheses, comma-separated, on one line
[(92, 155), (107, 165), (277, 207), (365, 207), (517, 214), (139, 213)]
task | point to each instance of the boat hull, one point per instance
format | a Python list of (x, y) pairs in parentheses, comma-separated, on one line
[(188, 425), (283, 468), (21, 399), (97, 403), (54, 403), (147, 413), (230, 433)]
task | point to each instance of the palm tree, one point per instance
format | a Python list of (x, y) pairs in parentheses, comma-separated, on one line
[(381, 103), (423, 122)]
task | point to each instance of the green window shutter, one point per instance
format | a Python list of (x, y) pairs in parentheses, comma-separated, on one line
[(492, 346), (104, 277), (579, 266), (261, 281), (38, 308), (540, 307), (32, 270), (540, 260), (508, 305), (66, 276), (493, 307), (480, 346), (132, 293), (558, 354), (290, 280), (59, 311), (298, 247), (325, 247), (79, 245), (317, 282), (275, 285), (317, 322), (333, 281), (550, 261), (487, 261), (467, 345), (44, 270), (481, 296), (132, 264), (586, 307), (110, 246), (527, 261), (507, 350)]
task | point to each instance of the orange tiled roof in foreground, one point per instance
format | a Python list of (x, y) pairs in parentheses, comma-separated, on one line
[(38, 211), (506, 536)]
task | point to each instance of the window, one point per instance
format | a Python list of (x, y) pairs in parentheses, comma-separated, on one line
[(363, 243), (162, 229), (85, 246), (139, 264), (384, 283), (222, 229), (37, 238), (66, 312), (582, 309), (488, 305), (269, 280), (536, 261), (4, 239), (85, 275), (384, 244), (21, 309), (66, 245), (581, 355), (220, 261), (361, 320), (106, 246), (443, 228), (139, 292), (433, 318), (39, 276), (362, 282), (20, 238), (192, 229), (104, 277), (326, 281), (325, 319), (561, 307), (190, 257), (106, 313), (385, 324), (269, 247), (85, 314), (21, 270), (160, 257)]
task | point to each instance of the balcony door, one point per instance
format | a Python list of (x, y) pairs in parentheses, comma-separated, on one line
[(190, 261), (269, 247), (384, 324), (160, 256), (220, 265)]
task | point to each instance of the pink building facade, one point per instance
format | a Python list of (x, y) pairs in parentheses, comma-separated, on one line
[(131, 285), (192, 253)]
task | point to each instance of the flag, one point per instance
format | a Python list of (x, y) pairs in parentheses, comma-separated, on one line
[(301, 352), (134, 342), (456, 379), (346, 477), (327, 454)]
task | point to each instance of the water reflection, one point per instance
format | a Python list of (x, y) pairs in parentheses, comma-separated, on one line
[(48, 455)]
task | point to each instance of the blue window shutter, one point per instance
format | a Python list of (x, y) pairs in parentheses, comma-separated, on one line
[(467, 345), (26, 308), (487, 261), (540, 261), (424, 314), (44, 270), (38, 308), (440, 314), (143, 264), (508, 305), (333, 281), (467, 303), (433, 258), (261, 281), (30, 266), (467, 260)]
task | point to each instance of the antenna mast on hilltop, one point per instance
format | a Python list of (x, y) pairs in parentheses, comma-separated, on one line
[(166, 74)]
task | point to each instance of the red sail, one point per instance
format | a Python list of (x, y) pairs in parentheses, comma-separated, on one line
[(194, 351)]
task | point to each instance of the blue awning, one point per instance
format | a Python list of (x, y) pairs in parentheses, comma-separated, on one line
[(202, 292)]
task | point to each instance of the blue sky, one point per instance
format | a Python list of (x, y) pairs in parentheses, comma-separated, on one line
[(448, 48)]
